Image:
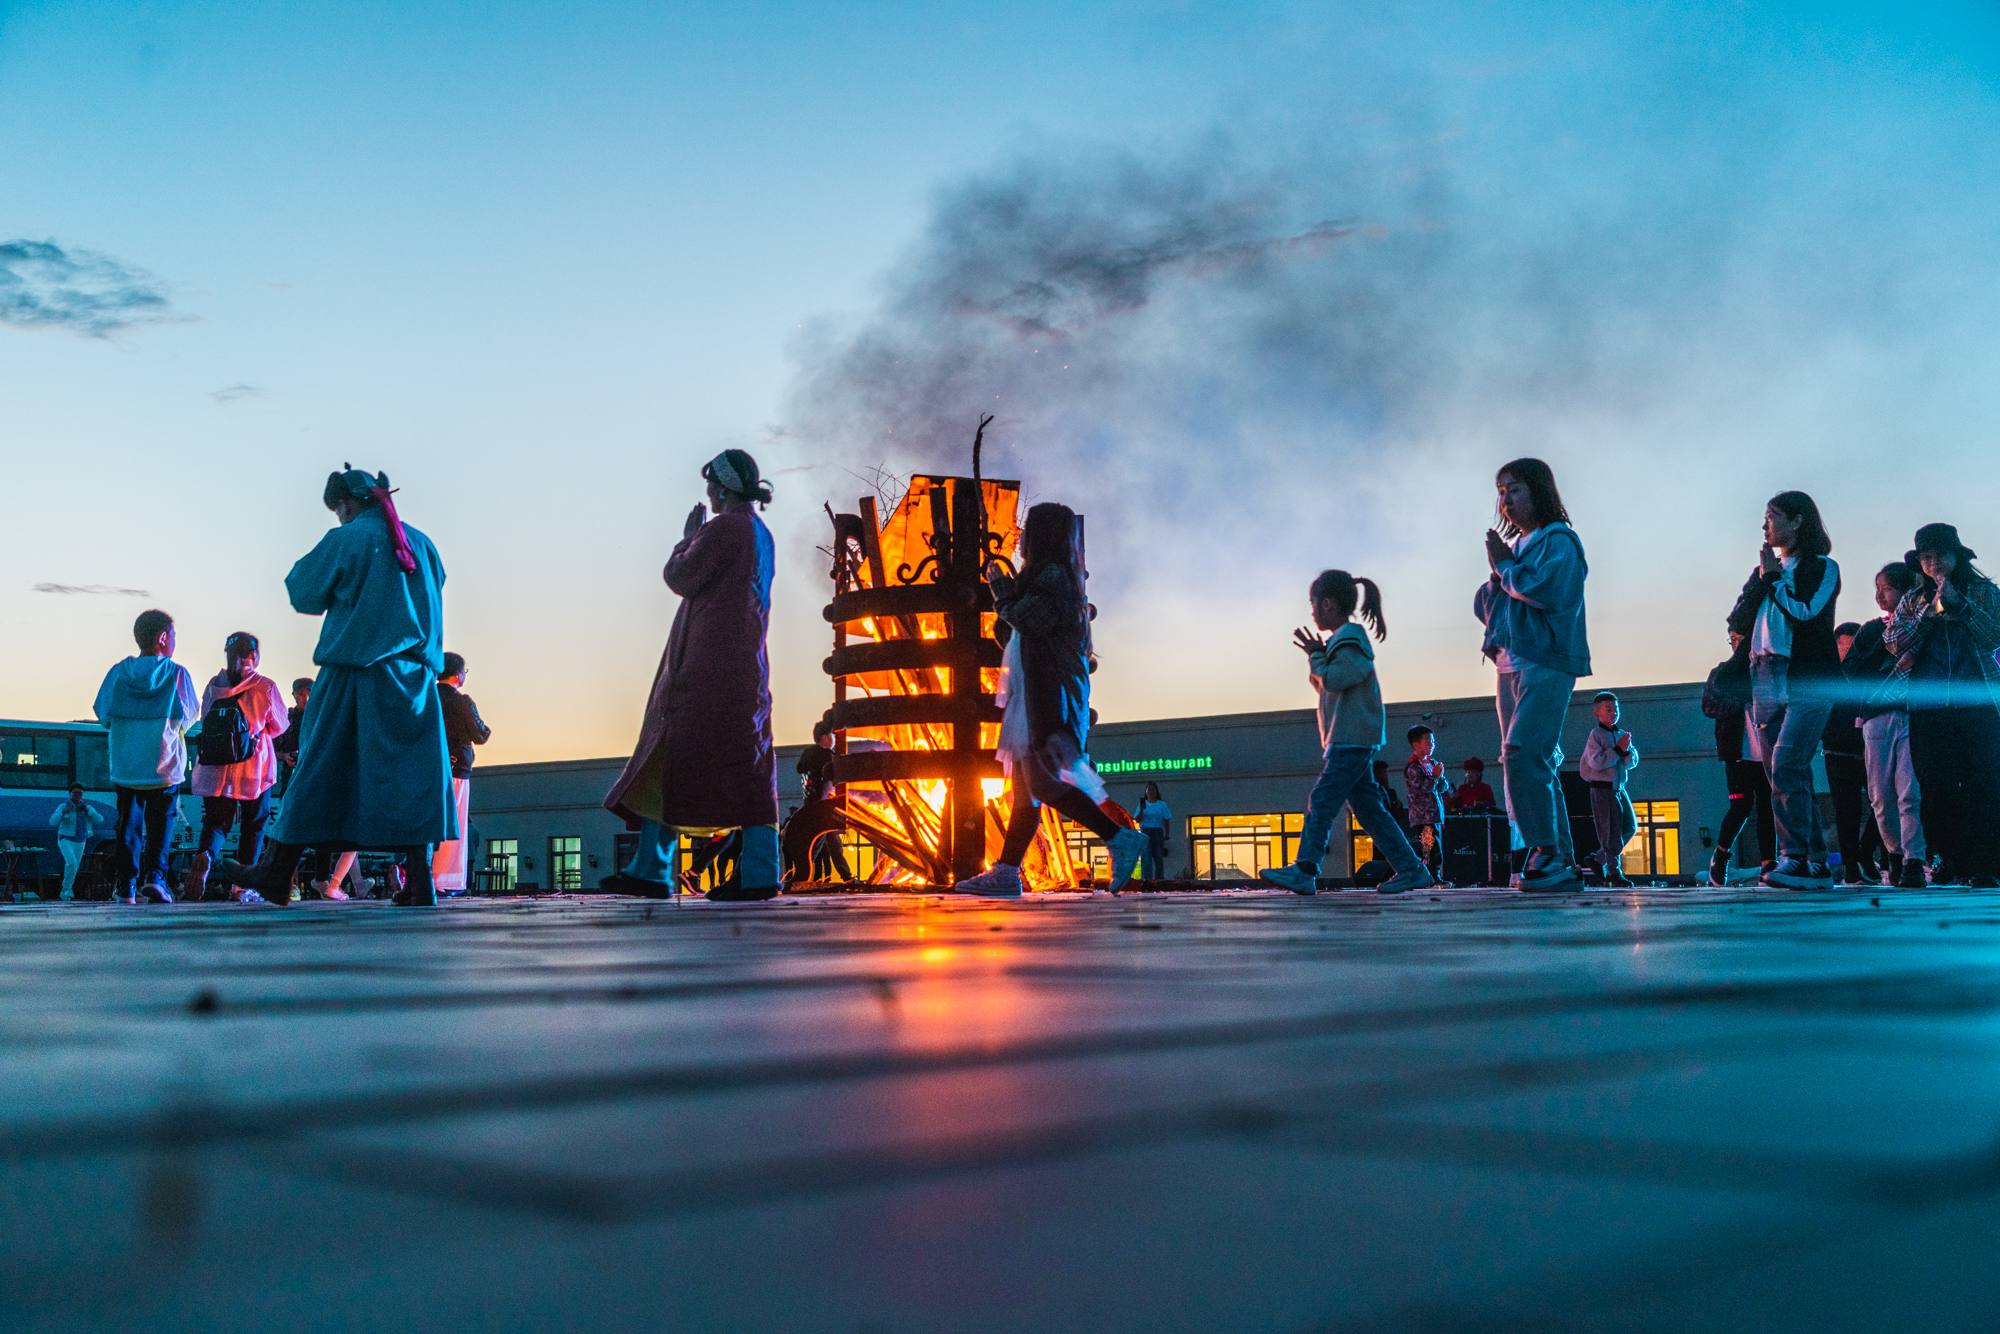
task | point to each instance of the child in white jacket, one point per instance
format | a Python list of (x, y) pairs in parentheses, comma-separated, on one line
[(1608, 758), (1351, 730)]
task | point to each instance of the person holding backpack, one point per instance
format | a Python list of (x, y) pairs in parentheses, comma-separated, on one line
[(235, 765)]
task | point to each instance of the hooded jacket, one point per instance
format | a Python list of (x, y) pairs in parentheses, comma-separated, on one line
[(148, 703), (1536, 612), (1350, 694), (1799, 598), (265, 714)]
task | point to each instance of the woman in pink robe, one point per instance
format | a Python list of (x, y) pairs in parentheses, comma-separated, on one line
[(704, 761)]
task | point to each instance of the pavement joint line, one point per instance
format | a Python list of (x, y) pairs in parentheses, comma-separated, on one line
[(224, 1122), (1291, 1119)]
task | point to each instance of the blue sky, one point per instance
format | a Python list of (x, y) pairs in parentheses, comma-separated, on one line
[(539, 262)]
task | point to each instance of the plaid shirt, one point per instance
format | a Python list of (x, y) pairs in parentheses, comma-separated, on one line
[(1978, 609)]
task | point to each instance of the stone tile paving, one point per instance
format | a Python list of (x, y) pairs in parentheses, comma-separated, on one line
[(1728, 1110)]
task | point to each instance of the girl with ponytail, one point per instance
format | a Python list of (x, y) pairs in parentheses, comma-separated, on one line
[(1351, 730)]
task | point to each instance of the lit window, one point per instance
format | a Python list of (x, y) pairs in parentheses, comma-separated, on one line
[(565, 864), (1243, 847), (504, 855), (1656, 849)]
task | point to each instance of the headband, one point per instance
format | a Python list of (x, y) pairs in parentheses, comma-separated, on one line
[(364, 487), (725, 473)]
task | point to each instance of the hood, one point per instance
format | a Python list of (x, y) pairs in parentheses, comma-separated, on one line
[(146, 688), (223, 690), (1353, 633)]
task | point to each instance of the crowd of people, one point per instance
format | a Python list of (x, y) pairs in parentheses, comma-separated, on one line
[(373, 753), (376, 751)]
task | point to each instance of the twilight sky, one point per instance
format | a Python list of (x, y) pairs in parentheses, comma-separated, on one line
[(1262, 288)]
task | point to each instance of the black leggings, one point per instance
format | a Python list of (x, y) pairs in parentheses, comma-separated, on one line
[(1042, 785), (1954, 752), (1847, 782), (1749, 791)]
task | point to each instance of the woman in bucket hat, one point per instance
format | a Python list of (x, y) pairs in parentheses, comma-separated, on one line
[(1944, 635)]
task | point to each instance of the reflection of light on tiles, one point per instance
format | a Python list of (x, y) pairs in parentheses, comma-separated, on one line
[(937, 954)]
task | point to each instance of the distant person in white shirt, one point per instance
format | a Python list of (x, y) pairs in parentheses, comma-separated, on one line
[(1155, 820), (74, 823), (148, 703)]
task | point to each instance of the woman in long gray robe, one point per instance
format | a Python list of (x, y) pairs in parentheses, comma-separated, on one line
[(373, 771)]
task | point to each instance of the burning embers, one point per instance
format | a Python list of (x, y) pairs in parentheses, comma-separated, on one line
[(915, 667)]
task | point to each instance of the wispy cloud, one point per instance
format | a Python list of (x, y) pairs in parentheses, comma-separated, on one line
[(230, 393), (97, 590), (44, 286)]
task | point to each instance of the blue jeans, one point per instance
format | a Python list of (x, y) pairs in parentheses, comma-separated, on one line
[(1349, 780), (1787, 737), (658, 856), (1154, 853), (145, 826), (1534, 703), (219, 813)]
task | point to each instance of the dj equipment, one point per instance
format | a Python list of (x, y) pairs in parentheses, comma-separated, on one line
[(1477, 849)]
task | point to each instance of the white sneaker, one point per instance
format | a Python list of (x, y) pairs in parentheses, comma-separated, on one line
[(1292, 878), (1127, 846), (1404, 881), (1002, 882)]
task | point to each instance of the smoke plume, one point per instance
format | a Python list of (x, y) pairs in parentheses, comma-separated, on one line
[(1267, 352)]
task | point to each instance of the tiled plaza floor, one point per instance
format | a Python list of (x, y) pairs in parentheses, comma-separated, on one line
[(1727, 1110)]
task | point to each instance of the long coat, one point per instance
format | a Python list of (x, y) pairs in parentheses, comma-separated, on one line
[(372, 771), (704, 758)]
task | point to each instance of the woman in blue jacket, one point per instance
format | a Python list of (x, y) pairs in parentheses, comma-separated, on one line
[(1532, 608)]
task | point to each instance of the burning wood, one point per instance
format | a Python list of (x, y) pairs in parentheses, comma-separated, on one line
[(915, 667)]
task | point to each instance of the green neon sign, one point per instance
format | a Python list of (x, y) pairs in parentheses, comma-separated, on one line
[(1151, 766)]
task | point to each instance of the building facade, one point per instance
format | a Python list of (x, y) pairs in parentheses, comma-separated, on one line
[(1237, 785)]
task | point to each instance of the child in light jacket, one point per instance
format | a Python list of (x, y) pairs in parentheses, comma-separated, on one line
[(147, 703), (1608, 758), (1351, 730)]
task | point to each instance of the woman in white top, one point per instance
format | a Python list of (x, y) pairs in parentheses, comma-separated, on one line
[(235, 765), (1787, 608), (1155, 819)]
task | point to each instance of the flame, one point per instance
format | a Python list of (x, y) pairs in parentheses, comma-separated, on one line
[(904, 819)]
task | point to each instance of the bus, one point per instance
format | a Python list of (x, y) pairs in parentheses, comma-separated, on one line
[(38, 763)]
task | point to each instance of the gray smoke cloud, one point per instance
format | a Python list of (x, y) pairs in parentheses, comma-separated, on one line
[(43, 285), (1301, 344)]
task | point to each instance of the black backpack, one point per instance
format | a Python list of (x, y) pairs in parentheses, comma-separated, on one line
[(225, 734)]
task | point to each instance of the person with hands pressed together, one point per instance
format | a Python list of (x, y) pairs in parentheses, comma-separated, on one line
[(1787, 609), (704, 764), (1532, 607), (1351, 729), (1608, 759), (1944, 634)]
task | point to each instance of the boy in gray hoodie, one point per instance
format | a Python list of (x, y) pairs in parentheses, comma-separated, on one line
[(1608, 759), (148, 702), (1351, 730)]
